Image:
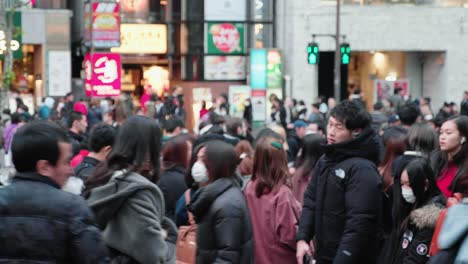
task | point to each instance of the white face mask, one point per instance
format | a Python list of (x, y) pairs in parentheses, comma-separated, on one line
[(199, 172), (408, 195)]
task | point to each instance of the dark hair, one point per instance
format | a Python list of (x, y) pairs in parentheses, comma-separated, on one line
[(440, 158), (245, 154), (36, 141), (233, 124), (408, 114), (175, 152), (394, 140), (352, 114), (419, 173), (397, 90), (189, 181), (136, 148), (172, 123), (101, 136), (220, 160), (268, 133), (310, 154), (74, 116), (270, 168), (378, 106), (421, 137), (15, 118)]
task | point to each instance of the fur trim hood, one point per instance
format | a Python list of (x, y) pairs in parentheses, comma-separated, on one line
[(426, 216)]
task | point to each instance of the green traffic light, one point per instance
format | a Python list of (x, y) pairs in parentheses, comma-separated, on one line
[(345, 58)]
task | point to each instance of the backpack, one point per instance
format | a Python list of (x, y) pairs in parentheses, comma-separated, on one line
[(186, 246)]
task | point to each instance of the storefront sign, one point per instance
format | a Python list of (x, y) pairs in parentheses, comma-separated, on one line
[(224, 67), (142, 38), (102, 74), (258, 77), (15, 42), (384, 89), (237, 96), (274, 74), (105, 25), (58, 81), (224, 38), (225, 10), (258, 105)]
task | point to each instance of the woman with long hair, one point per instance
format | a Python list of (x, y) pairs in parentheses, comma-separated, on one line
[(245, 154), (416, 210), (448, 161), (224, 231), (274, 210), (305, 164), (176, 154), (128, 205)]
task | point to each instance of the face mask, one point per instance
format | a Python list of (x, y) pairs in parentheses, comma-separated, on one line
[(199, 172), (408, 195)]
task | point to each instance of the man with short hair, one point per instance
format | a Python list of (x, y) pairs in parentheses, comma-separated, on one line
[(77, 124), (342, 203), (408, 114), (378, 117), (41, 223), (235, 130), (172, 127), (100, 145), (295, 139)]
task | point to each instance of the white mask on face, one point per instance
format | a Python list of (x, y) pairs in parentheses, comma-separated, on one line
[(408, 195), (199, 172)]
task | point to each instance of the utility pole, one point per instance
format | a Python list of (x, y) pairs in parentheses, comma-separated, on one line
[(337, 82)]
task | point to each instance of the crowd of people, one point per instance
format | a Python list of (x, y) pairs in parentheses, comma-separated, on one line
[(104, 182)]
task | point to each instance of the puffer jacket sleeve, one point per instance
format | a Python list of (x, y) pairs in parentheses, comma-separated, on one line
[(86, 244), (419, 248), (147, 244), (363, 201), (228, 235), (307, 222)]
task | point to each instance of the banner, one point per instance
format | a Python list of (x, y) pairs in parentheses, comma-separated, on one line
[(105, 23), (237, 96), (259, 105), (142, 38), (58, 66), (15, 42), (385, 89), (225, 10), (274, 67), (224, 38), (258, 59), (224, 68), (102, 74)]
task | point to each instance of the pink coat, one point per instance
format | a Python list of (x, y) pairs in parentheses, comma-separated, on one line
[(275, 219)]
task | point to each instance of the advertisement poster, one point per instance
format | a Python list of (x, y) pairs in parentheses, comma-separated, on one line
[(224, 68), (259, 105), (102, 74), (200, 95), (105, 25), (135, 9), (258, 61), (225, 10), (58, 81), (224, 38), (385, 89), (274, 74), (15, 43), (237, 96), (142, 38)]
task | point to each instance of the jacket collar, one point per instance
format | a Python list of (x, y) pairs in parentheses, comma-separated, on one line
[(91, 161), (34, 176), (205, 196)]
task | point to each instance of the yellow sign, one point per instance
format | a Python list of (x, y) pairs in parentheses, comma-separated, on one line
[(142, 38)]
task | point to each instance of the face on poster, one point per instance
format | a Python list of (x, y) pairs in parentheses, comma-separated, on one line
[(224, 38), (199, 95), (102, 74), (237, 96)]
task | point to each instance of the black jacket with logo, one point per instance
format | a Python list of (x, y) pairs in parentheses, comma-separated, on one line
[(342, 203)]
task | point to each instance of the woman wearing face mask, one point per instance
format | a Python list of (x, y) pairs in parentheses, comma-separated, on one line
[(448, 161), (128, 206), (224, 231), (416, 209)]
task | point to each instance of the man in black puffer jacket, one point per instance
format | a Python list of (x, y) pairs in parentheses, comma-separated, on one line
[(39, 223), (342, 203)]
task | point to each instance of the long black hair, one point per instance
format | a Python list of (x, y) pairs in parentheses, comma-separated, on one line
[(310, 154), (137, 149)]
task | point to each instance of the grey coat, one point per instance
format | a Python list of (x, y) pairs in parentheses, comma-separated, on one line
[(130, 211)]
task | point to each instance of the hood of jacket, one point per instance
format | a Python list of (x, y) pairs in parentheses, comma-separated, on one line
[(455, 227), (366, 146), (427, 216), (205, 196), (106, 200)]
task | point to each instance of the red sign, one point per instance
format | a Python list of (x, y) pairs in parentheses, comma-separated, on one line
[(105, 24), (102, 74)]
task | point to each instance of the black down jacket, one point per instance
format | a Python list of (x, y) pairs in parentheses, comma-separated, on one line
[(342, 203), (39, 223), (224, 230)]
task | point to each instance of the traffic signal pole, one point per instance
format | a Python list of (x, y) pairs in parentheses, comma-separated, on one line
[(337, 82)]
